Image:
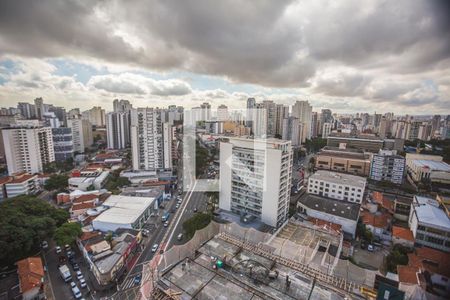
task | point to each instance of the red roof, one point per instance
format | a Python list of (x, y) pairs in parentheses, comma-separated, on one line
[(89, 235), (31, 273), (376, 220), (381, 200), (407, 274), (325, 224), (85, 198), (432, 260), (5, 179), (402, 233), (84, 205), (22, 178)]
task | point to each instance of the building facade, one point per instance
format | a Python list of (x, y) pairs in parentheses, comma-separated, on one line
[(81, 134), (388, 166), (351, 161), (255, 179), (62, 143), (118, 130), (28, 149)]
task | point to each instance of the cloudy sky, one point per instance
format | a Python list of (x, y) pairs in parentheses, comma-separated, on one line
[(349, 56)]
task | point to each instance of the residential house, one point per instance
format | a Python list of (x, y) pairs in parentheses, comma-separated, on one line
[(31, 278)]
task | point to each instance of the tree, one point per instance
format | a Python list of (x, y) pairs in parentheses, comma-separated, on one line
[(197, 222), (397, 256), (67, 233), (56, 182), (26, 221)]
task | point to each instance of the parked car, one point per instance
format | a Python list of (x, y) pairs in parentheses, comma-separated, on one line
[(73, 284), (70, 254), (145, 232), (58, 249), (44, 245), (76, 292), (195, 209), (137, 279), (370, 248), (180, 237), (75, 267), (83, 283), (177, 206), (155, 247), (166, 224), (67, 247), (79, 275)]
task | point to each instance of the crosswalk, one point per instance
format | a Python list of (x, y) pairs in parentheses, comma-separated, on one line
[(129, 282)]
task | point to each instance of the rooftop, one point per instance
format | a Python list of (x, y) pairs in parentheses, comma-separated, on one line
[(22, 178), (124, 209), (31, 273), (339, 178), (428, 212), (341, 135), (402, 233), (330, 206), (244, 275), (432, 165)]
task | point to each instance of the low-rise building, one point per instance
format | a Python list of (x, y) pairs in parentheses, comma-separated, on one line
[(402, 236), (429, 223), (337, 186), (427, 168), (351, 161), (387, 166), (31, 278), (123, 212), (22, 184), (85, 180), (339, 212)]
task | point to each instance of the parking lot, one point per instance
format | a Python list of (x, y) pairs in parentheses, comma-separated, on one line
[(371, 260)]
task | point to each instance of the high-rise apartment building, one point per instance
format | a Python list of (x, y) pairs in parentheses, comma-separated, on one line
[(96, 116), (303, 112), (39, 108), (270, 109), (222, 113), (259, 121), (28, 149), (81, 134), (293, 131), (118, 130), (205, 111), (282, 112), (62, 143), (255, 179), (150, 140), (435, 124), (27, 110), (121, 105), (388, 166), (326, 130), (251, 104)]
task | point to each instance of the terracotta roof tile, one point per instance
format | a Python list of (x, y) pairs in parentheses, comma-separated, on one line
[(5, 179), (89, 235), (402, 233), (84, 205), (22, 178), (31, 273), (84, 198), (376, 220), (326, 224), (407, 274)]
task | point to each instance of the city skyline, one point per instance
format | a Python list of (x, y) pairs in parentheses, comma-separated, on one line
[(392, 57)]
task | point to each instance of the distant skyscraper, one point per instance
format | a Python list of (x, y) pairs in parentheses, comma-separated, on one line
[(282, 112), (435, 124), (118, 130), (28, 149), (270, 109), (62, 143), (251, 104), (39, 108), (150, 140), (222, 113), (259, 121), (96, 116), (205, 111), (303, 111), (81, 134), (315, 124), (27, 110), (121, 105), (326, 129), (293, 131)]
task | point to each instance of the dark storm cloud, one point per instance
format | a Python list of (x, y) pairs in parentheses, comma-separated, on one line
[(270, 43)]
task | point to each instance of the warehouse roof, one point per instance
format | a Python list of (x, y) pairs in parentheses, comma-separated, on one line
[(428, 212), (339, 178), (124, 209), (330, 206), (432, 165)]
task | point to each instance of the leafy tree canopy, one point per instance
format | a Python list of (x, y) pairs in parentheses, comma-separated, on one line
[(56, 182), (197, 222), (26, 221), (67, 233)]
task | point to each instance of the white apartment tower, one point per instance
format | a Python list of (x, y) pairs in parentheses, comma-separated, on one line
[(222, 113), (118, 130), (150, 140), (81, 133), (255, 178), (303, 112), (28, 149)]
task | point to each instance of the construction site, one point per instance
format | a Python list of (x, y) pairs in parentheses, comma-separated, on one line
[(226, 261)]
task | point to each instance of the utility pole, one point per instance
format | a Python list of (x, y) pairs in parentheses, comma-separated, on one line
[(312, 288)]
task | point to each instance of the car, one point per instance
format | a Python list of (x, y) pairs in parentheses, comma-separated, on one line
[(70, 254), (76, 292), (58, 249), (179, 202), (180, 237), (177, 206), (73, 284), (79, 275), (370, 248), (155, 247), (83, 283), (75, 266), (145, 232), (166, 223), (195, 209), (44, 245), (137, 279), (67, 247)]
